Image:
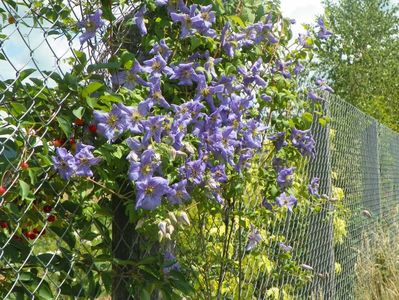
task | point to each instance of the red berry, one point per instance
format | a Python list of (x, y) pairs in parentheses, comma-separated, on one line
[(72, 141), (51, 218), (36, 231), (2, 190), (47, 208), (3, 224), (57, 143), (79, 122), (24, 165), (93, 128), (30, 235)]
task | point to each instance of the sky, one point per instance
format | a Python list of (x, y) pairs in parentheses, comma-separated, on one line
[(303, 11)]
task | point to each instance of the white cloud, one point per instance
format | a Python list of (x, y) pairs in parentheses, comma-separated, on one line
[(303, 11)]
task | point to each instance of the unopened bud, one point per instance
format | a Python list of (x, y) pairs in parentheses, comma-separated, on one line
[(184, 218), (167, 236), (367, 213), (172, 217), (172, 153), (167, 221), (160, 236), (139, 224), (170, 229), (162, 226)]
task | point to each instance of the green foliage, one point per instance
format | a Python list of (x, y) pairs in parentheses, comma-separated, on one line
[(361, 58)]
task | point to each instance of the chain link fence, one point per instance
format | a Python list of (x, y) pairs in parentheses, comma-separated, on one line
[(48, 251)]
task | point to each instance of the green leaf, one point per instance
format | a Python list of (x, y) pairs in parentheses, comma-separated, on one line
[(110, 66), (145, 295), (237, 20), (66, 235), (45, 292), (78, 112), (23, 189), (25, 73), (65, 125), (91, 88), (307, 118), (195, 42)]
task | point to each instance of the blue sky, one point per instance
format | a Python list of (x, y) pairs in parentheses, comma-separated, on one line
[(304, 11)]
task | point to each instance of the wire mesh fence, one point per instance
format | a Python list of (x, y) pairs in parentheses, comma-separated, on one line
[(54, 247)]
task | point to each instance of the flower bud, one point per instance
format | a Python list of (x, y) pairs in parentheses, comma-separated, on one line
[(172, 217), (183, 218), (139, 224), (162, 227), (170, 229), (167, 221), (160, 236), (167, 236)]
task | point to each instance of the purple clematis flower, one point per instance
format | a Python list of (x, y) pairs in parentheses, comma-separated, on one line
[(155, 97), (91, 24), (323, 85), (156, 66), (304, 142), (129, 79), (219, 173), (210, 63), (206, 92), (138, 19), (64, 163), (314, 97), (253, 74), (153, 128), (111, 124), (145, 168), (298, 68), (136, 146), (305, 41), (185, 73), (171, 264), (279, 139), (253, 239), (185, 19), (323, 33), (266, 204), (203, 21), (266, 98), (150, 191), (252, 136), (133, 117), (284, 178), (194, 171), (179, 193), (288, 201), (162, 49), (84, 159), (314, 187)]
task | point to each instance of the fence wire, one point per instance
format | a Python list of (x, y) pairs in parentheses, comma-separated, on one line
[(44, 256)]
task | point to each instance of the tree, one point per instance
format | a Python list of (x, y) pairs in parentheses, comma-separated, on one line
[(361, 58)]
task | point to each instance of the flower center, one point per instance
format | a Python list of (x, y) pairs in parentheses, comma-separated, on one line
[(112, 120), (149, 190), (156, 65)]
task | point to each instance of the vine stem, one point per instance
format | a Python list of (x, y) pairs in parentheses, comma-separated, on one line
[(106, 188)]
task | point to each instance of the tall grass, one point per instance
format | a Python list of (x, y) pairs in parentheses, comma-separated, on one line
[(377, 269)]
